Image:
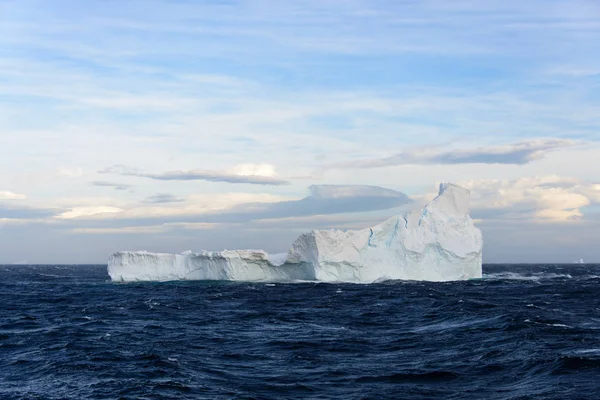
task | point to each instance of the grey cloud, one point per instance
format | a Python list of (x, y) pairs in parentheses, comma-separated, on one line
[(163, 198), (328, 199), (116, 186), (341, 191), (324, 199), (520, 211), (559, 185), (25, 212), (594, 216), (196, 175), (516, 153)]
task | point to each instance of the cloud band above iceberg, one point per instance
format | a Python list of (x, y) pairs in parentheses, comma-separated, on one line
[(323, 200), (516, 154)]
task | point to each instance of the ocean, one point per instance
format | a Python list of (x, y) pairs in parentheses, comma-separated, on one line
[(521, 332)]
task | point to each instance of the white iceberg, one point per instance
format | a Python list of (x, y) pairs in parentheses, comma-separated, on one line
[(227, 265), (437, 243)]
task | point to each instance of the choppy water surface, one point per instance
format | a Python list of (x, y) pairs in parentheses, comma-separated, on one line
[(522, 332)]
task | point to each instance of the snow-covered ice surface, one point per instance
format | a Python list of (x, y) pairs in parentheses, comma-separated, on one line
[(437, 243)]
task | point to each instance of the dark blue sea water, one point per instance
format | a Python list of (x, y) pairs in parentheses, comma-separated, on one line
[(522, 332)]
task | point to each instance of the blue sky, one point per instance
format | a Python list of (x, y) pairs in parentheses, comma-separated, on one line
[(169, 125)]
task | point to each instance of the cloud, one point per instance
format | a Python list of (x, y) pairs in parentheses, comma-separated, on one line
[(77, 212), (164, 198), (343, 191), (193, 205), (6, 195), (123, 230), (195, 225), (517, 154), (151, 229), (327, 199), (323, 200), (70, 172), (539, 199), (25, 213), (575, 71), (258, 174), (339, 221), (204, 212), (116, 186)]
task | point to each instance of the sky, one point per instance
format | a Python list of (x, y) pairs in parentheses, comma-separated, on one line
[(168, 125)]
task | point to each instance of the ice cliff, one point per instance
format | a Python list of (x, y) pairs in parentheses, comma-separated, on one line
[(437, 243)]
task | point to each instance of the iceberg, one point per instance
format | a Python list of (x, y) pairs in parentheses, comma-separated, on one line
[(437, 243), (227, 265)]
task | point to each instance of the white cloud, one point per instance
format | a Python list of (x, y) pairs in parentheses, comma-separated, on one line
[(140, 103), (15, 221), (89, 202), (266, 170), (79, 212), (549, 198), (6, 195), (70, 172)]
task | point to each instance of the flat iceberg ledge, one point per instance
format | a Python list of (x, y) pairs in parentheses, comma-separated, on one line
[(437, 243)]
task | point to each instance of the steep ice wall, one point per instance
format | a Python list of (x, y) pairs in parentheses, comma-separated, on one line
[(228, 265), (437, 243)]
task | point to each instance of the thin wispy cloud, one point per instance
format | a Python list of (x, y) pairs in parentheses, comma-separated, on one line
[(323, 200), (114, 185), (26, 214), (234, 176), (70, 172), (513, 154), (6, 195), (162, 198)]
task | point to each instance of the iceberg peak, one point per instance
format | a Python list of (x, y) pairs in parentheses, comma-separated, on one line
[(451, 200)]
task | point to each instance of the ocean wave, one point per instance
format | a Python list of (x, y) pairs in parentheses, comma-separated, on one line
[(525, 276), (521, 332)]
